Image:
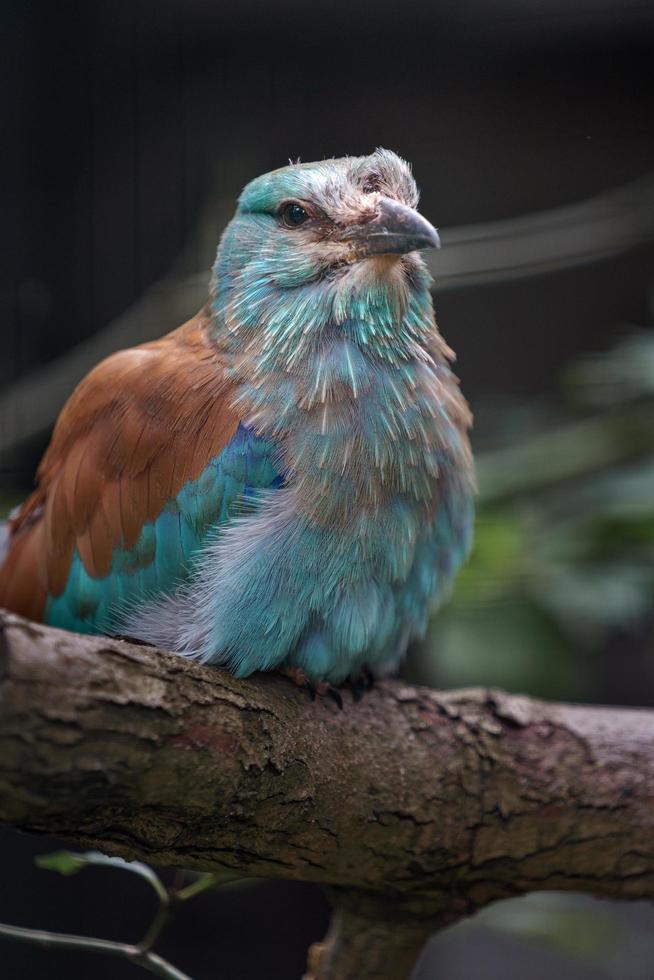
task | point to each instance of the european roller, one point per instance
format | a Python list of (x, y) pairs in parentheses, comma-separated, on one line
[(283, 482)]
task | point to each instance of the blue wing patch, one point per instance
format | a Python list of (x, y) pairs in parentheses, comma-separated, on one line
[(163, 555)]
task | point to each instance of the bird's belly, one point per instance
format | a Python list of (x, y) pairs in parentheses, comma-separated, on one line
[(375, 617), (284, 586)]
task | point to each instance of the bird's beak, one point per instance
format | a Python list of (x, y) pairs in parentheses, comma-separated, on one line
[(394, 228)]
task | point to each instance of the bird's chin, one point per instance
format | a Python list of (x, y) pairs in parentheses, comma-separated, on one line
[(385, 263), (373, 268), (388, 273)]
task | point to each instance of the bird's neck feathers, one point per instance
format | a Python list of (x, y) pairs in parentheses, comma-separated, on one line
[(381, 305), (349, 375)]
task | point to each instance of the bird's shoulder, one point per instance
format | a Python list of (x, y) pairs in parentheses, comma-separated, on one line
[(137, 428)]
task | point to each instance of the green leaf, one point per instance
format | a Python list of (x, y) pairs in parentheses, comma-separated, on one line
[(63, 862), (69, 863), (204, 882)]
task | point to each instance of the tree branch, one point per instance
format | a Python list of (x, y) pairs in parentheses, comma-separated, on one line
[(145, 958), (418, 807), (370, 936), (140, 954)]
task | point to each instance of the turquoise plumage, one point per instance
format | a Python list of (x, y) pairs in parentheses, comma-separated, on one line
[(166, 547), (325, 503)]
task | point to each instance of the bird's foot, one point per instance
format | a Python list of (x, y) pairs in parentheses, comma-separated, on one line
[(361, 683), (320, 688)]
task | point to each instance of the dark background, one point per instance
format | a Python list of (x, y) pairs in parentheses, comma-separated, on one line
[(122, 122)]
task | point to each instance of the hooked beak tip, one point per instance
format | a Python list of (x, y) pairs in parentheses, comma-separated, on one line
[(435, 239), (397, 228)]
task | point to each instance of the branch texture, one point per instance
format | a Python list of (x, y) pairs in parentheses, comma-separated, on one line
[(415, 807)]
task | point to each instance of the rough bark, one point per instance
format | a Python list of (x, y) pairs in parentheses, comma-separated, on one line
[(371, 936), (414, 807)]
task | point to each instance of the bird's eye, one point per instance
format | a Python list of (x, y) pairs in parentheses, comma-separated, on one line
[(294, 215)]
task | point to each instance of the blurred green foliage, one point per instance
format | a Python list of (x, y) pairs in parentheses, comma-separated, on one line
[(580, 937), (560, 583), (563, 561)]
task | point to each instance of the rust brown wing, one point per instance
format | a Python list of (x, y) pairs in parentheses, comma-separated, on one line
[(135, 430)]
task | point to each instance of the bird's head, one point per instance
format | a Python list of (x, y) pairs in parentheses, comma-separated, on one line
[(310, 240)]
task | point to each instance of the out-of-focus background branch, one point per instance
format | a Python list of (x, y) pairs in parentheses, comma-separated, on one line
[(499, 251), (128, 133)]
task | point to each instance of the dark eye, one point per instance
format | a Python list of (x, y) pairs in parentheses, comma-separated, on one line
[(294, 215)]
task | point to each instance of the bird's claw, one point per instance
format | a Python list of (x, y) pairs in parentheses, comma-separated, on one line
[(361, 683), (321, 688), (356, 685), (335, 695)]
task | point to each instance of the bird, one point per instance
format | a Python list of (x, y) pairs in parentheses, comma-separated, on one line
[(285, 482)]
